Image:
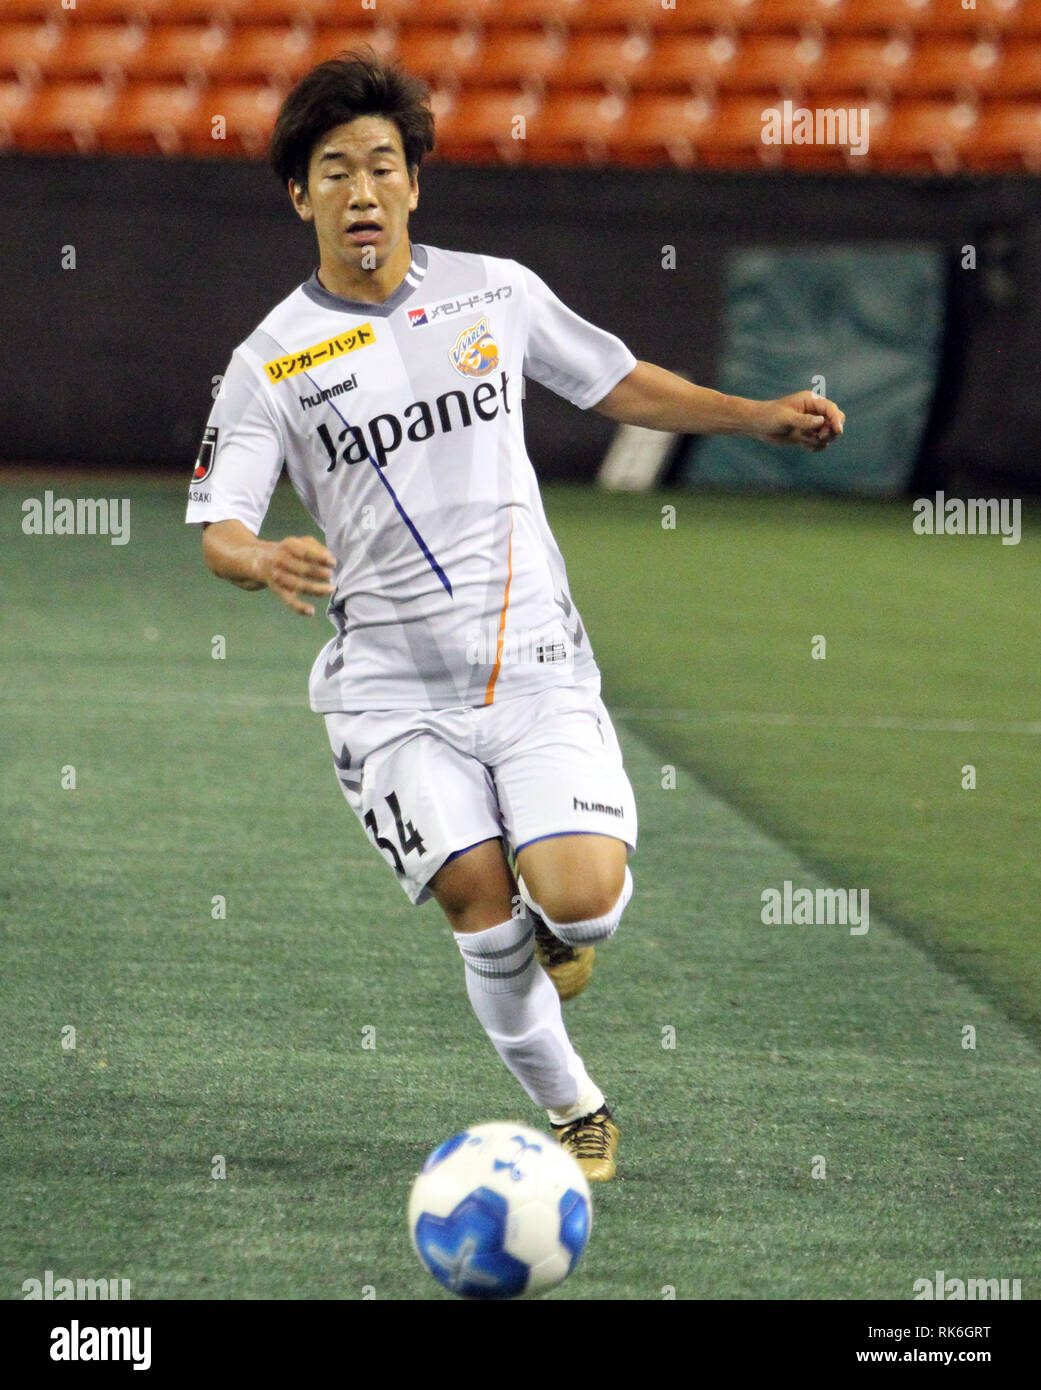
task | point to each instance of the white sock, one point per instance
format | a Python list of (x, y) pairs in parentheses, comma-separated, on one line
[(519, 1008), (593, 929), (591, 1099)]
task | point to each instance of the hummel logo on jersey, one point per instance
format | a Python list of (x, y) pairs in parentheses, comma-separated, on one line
[(380, 436), (417, 318), (341, 386), (597, 806), (475, 352)]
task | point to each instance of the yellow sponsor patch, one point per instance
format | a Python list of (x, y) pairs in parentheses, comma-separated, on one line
[(317, 356)]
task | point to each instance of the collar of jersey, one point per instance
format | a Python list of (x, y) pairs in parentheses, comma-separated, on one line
[(315, 290)]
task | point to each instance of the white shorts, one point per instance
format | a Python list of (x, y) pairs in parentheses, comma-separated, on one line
[(428, 784)]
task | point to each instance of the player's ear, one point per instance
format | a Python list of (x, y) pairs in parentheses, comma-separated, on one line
[(413, 184), (301, 200)]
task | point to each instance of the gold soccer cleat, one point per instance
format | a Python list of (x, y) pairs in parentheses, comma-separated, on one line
[(592, 1142), (569, 967)]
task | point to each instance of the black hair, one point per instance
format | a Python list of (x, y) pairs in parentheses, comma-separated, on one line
[(339, 90)]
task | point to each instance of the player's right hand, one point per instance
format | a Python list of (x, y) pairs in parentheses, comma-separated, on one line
[(298, 565)]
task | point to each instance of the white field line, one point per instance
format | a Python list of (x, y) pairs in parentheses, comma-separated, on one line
[(834, 721), (245, 700)]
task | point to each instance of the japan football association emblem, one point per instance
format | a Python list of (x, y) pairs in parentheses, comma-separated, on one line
[(475, 352), (204, 463)]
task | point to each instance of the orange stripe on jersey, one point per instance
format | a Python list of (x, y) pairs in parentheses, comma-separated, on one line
[(489, 694)]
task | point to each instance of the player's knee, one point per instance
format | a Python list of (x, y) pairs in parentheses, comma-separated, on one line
[(581, 897), (582, 914), (474, 889)]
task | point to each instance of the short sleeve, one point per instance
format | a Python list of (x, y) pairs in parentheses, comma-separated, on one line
[(241, 453), (568, 354)]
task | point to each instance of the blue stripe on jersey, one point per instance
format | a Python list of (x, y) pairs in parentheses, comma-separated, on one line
[(427, 552)]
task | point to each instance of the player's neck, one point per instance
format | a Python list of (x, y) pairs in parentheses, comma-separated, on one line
[(366, 286)]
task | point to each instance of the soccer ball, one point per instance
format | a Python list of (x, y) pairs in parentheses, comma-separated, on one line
[(500, 1211)]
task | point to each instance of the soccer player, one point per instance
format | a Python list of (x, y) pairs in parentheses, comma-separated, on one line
[(460, 693)]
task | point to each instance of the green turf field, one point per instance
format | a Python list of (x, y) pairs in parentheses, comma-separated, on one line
[(243, 1037)]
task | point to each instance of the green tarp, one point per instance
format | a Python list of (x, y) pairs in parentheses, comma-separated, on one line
[(869, 321)]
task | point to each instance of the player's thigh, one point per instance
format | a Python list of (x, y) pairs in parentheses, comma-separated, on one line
[(420, 800), (574, 877), (568, 808), (476, 888)]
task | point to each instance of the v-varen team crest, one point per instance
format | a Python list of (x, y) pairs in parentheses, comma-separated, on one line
[(475, 352)]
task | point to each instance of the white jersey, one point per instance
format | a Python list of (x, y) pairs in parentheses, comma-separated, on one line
[(400, 426)]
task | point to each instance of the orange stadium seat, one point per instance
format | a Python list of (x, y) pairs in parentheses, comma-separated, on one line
[(97, 11), (330, 40), (303, 12), (26, 10), (922, 136), (660, 128), (244, 11), (687, 16), (461, 13), (481, 125), (149, 118), (611, 61), (441, 55), (691, 62), (1019, 71), (517, 57), (183, 11), (733, 137), (862, 65), (775, 63), (62, 116), (728, 133), (187, 51), (791, 16), (248, 111), (843, 16), (28, 49), (1009, 138), (889, 16), (1027, 21), (280, 53), (525, 14), (952, 66), (988, 17), (91, 50), (13, 97), (573, 128)]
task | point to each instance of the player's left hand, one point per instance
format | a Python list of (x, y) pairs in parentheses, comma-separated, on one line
[(805, 419)]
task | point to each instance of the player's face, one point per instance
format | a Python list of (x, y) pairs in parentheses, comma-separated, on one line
[(359, 196)]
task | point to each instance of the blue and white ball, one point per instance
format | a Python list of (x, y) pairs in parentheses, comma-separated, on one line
[(500, 1211)]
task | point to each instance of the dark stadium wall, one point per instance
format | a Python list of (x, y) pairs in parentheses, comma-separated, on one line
[(112, 361)]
